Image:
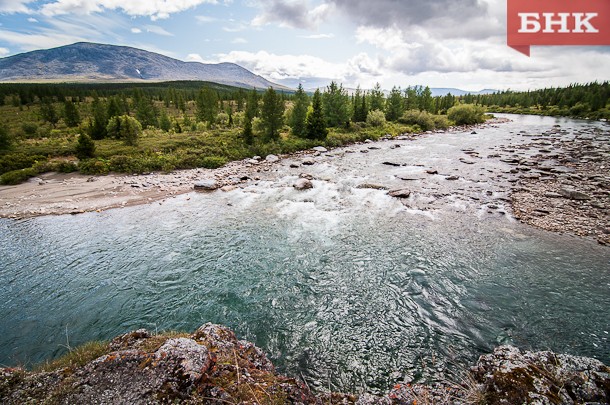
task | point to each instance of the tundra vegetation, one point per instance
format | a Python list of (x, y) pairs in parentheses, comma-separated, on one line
[(137, 128)]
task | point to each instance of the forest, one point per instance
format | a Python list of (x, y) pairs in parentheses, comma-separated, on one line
[(139, 127)]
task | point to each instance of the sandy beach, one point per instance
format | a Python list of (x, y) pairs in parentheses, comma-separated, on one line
[(58, 194)]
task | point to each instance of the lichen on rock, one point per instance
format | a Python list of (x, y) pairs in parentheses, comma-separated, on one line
[(212, 366)]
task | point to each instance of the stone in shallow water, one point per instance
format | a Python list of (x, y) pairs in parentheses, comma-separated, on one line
[(206, 184), (320, 149), (272, 158), (303, 184), (400, 193)]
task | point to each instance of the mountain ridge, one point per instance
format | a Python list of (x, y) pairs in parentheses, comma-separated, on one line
[(92, 62)]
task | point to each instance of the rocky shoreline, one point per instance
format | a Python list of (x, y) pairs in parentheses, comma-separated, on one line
[(564, 184), (211, 366)]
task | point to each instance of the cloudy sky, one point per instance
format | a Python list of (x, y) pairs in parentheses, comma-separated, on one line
[(438, 43)]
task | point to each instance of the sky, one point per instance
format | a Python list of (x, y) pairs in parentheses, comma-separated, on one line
[(437, 43)]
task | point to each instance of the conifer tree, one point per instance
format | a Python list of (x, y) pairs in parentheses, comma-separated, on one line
[(377, 99), (272, 114), (335, 104), (250, 113), (71, 115), (394, 105), (299, 113), (85, 148), (316, 122)]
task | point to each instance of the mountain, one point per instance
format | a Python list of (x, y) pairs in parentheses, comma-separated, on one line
[(89, 62), (457, 92), (436, 91)]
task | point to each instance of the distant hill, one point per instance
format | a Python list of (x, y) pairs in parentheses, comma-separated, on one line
[(436, 91), (458, 92), (89, 62)]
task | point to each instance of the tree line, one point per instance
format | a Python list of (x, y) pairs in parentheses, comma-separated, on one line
[(590, 100)]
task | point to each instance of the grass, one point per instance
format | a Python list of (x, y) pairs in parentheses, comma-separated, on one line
[(76, 357)]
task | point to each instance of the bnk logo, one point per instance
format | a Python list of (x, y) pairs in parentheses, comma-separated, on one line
[(557, 22)]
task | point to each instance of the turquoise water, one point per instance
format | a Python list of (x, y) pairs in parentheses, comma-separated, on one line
[(343, 286)]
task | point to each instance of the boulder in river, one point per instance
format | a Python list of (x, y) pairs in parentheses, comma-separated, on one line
[(400, 193), (320, 149), (272, 158), (372, 186), (206, 185), (303, 184)]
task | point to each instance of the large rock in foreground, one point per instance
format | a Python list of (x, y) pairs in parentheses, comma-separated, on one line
[(211, 366)]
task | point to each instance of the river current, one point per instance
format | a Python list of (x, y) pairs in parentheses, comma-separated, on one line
[(344, 286)]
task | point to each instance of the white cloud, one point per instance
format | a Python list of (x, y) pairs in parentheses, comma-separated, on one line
[(317, 36), (235, 26), (32, 20), (4, 51), (194, 57), (155, 29), (293, 14), (15, 6), (158, 9), (239, 41), (30, 42), (136, 31), (205, 19), (359, 69)]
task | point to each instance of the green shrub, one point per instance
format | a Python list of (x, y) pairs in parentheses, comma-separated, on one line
[(466, 114), (85, 147), (423, 119), (93, 166), (17, 176), (29, 128), (126, 128), (441, 122), (120, 163), (213, 162), (16, 161), (6, 140), (376, 118)]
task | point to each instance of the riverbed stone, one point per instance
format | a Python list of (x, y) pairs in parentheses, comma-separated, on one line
[(372, 186), (320, 149), (272, 158), (206, 185), (303, 184), (400, 193), (573, 194)]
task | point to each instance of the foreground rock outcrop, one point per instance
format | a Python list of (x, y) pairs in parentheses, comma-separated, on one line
[(211, 366)]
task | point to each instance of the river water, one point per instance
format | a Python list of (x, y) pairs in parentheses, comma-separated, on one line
[(345, 286)]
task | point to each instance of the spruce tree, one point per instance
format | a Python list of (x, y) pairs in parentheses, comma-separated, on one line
[(85, 148), (207, 106), (394, 105), (316, 123), (97, 126), (299, 113), (71, 115), (5, 138), (250, 113), (377, 99), (48, 112), (272, 114), (336, 105)]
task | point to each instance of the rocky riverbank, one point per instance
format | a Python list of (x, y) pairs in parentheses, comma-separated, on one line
[(211, 366), (564, 182)]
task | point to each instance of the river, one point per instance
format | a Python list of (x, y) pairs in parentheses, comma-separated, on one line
[(345, 286)]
